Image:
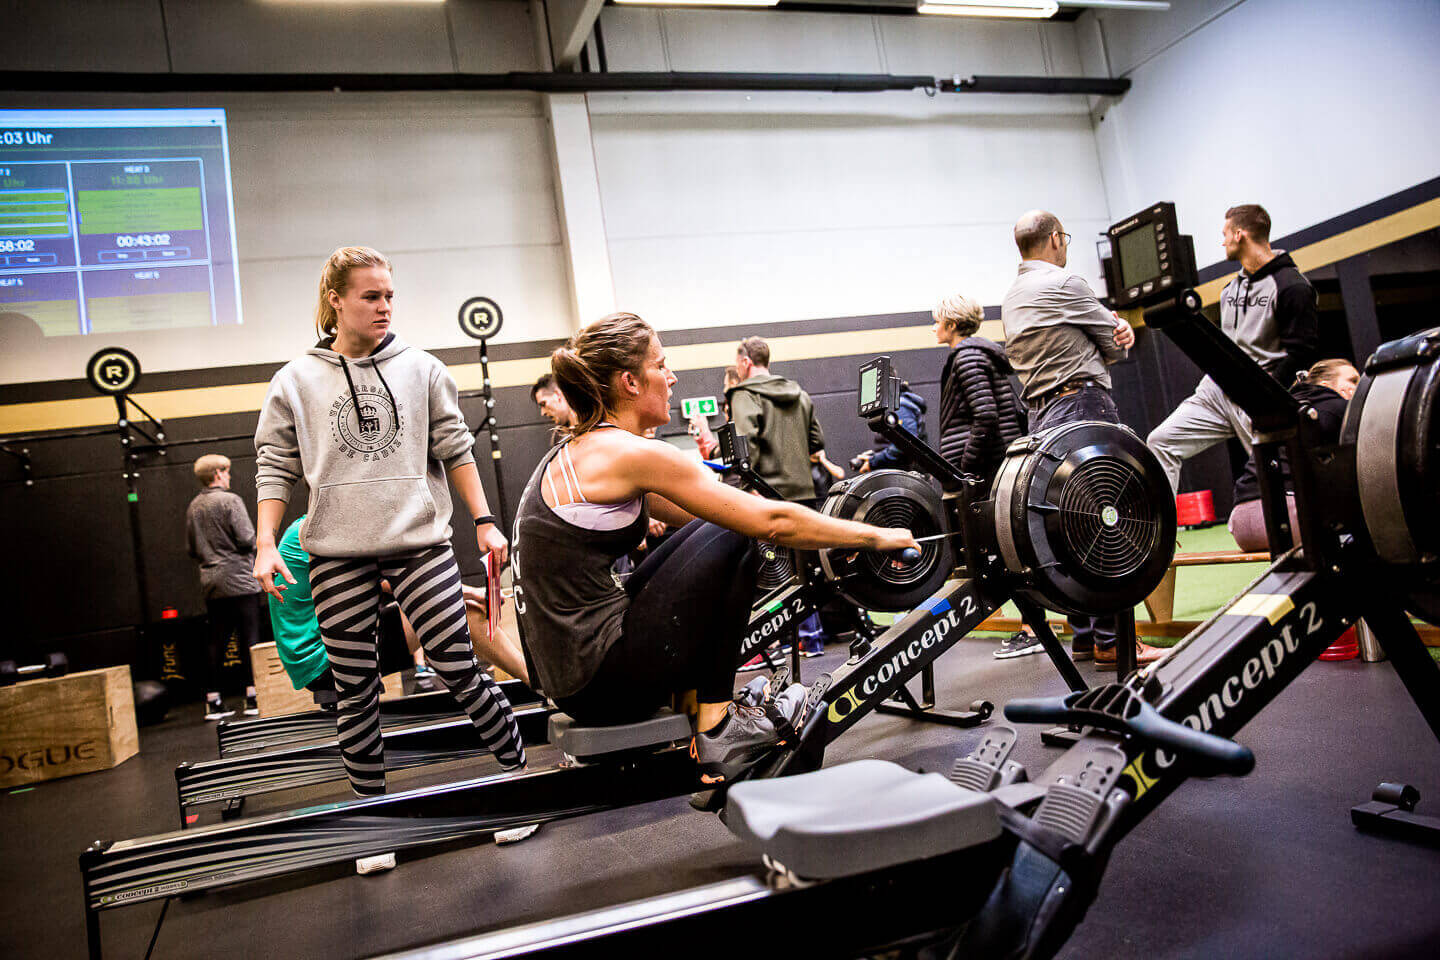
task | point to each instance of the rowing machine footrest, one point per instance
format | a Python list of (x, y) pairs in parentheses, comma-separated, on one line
[(1073, 803), (982, 769), (858, 817), (575, 740)]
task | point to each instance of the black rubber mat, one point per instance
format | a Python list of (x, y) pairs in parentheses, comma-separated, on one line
[(1264, 866)]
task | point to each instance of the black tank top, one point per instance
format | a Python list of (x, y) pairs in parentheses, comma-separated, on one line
[(570, 607)]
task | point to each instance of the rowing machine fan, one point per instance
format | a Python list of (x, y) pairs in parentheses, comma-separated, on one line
[(1084, 513), (777, 567), (1394, 428), (888, 498)]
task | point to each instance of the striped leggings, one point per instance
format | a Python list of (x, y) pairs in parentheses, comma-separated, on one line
[(427, 586)]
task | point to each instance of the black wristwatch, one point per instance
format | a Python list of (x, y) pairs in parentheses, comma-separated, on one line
[(488, 518)]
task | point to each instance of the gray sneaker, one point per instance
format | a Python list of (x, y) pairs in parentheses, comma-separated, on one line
[(750, 734)]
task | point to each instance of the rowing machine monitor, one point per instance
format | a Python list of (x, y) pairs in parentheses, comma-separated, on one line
[(734, 446), (1149, 258), (879, 388)]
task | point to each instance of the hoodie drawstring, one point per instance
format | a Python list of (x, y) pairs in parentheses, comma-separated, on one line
[(355, 398), (375, 365)]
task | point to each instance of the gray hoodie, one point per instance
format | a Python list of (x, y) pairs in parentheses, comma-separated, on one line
[(373, 438)]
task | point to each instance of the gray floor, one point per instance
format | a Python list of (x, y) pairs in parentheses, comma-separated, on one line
[(1264, 866)]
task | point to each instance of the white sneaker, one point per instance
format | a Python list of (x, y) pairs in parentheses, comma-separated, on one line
[(376, 864), (516, 834), (215, 710)]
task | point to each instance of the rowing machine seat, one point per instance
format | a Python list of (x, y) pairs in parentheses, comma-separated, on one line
[(858, 817), (579, 741)]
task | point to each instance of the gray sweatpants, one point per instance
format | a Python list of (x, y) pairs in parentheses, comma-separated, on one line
[(1203, 419)]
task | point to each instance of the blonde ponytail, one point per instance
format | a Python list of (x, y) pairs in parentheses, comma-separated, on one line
[(336, 276)]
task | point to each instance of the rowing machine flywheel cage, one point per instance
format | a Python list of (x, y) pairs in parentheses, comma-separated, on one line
[(777, 567), (1085, 516), (1394, 428), (889, 498)]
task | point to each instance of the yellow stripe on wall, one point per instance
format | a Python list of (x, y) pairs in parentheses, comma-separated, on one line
[(242, 398), (248, 397)]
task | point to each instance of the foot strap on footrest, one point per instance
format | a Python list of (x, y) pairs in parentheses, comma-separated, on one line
[(981, 770), (1072, 805)]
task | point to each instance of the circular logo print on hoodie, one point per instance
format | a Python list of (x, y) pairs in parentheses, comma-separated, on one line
[(370, 427)]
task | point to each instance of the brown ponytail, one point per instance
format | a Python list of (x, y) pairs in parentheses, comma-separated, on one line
[(587, 366), (336, 276)]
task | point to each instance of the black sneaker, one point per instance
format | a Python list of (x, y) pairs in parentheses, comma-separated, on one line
[(1018, 644), (252, 709), (215, 709)]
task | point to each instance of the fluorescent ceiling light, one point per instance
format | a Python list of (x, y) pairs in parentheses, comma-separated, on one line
[(699, 3), (1031, 9), (350, 3)]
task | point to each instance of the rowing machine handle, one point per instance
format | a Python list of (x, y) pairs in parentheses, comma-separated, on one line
[(1115, 707)]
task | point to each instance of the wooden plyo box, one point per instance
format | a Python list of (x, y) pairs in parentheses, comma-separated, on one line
[(274, 693), (62, 726)]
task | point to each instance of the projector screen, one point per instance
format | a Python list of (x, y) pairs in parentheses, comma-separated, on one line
[(116, 220)]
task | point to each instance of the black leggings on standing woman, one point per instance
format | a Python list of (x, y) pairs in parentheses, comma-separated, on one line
[(689, 606), (427, 586)]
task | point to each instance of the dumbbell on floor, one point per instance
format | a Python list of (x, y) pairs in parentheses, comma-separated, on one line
[(55, 665)]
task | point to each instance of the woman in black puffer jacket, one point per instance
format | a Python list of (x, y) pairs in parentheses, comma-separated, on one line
[(980, 414)]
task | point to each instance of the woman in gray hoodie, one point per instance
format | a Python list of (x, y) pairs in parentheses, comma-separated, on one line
[(374, 427)]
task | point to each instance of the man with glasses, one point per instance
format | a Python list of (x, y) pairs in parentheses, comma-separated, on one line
[(1060, 339)]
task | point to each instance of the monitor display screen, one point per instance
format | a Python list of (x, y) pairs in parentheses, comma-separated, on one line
[(869, 386), (114, 221), (1139, 256)]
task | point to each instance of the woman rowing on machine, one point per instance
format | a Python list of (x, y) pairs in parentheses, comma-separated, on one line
[(611, 654)]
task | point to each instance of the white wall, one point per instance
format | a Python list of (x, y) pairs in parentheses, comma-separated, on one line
[(717, 208), (1309, 107), (726, 208), (456, 188)]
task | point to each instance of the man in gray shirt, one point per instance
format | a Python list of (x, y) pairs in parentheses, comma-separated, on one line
[(1060, 339), (221, 539)]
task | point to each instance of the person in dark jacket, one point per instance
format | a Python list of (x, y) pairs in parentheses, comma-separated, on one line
[(778, 418), (1269, 310), (886, 455), (220, 537), (980, 415), (1327, 388)]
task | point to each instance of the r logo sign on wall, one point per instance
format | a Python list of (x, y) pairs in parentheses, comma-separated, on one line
[(480, 318), (113, 370)]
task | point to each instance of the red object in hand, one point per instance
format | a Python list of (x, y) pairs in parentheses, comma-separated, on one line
[(1345, 647), (1193, 509)]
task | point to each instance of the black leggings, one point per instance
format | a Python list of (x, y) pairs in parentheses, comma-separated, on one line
[(231, 616), (689, 606)]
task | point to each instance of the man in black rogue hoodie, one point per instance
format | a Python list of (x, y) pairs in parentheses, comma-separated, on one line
[(1268, 309)]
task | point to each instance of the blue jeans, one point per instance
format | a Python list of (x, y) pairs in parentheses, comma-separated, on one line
[(1087, 403)]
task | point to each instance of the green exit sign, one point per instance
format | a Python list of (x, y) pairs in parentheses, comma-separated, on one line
[(704, 406)]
